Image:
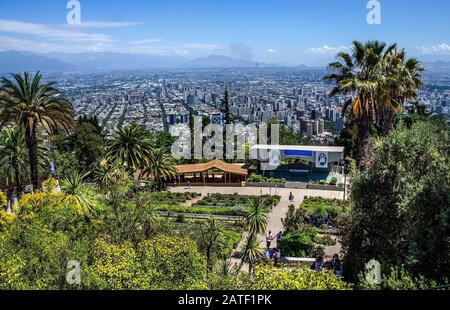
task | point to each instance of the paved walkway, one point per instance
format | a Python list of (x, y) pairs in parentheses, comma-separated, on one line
[(279, 212)]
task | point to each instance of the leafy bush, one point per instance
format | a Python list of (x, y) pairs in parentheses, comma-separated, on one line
[(325, 240), (397, 278), (299, 278), (401, 204), (170, 198), (295, 219), (300, 245), (260, 179), (201, 210), (161, 263), (322, 211), (223, 200)]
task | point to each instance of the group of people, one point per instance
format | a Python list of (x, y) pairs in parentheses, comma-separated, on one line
[(334, 264), (270, 238), (273, 254)]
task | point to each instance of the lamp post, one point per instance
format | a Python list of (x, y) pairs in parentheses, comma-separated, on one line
[(346, 165), (345, 186)]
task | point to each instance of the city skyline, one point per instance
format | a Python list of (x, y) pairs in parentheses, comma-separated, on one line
[(309, 32)]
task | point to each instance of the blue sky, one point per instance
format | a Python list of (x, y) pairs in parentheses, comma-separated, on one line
[(294, 31)]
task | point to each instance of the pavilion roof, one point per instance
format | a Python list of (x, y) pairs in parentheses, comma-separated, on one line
[(215, 164)]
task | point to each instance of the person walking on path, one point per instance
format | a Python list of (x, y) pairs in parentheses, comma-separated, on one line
[(269, 239), (279, 238)]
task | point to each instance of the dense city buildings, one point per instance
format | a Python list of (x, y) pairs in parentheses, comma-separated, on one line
[(298, 99)]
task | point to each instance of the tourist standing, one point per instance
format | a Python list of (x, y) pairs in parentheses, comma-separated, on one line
[(269, 239)]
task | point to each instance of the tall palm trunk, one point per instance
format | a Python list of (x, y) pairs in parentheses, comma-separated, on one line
[(30, 137)]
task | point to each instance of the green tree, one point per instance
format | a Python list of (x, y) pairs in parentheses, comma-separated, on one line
[(379, 79), (287, 137), (131, 146), (400, 204), (86, 143), (48, 230), (27, 102), (252, 253), (295, 219), (85, 195), (173, 263), (228, 119), (13, 156), (211, 241), (65, 163), (256, 218), (160, 168)]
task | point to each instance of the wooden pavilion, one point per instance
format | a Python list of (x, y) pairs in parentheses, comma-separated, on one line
[(213, 173)]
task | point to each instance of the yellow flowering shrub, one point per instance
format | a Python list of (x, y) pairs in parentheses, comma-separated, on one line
[(6, 219), (31, 203), (298, 278), (173, 262), (114, 267), (50, 185), (11, 273), (3, 200), (162, 263)]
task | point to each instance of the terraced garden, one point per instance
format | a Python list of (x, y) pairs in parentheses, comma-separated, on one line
[(223, 200), (214, 204), (168, 198)]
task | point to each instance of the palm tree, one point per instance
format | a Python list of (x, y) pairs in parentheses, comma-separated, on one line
[(85, 195), (13, 156), (211, 240), (399, 82), (356, 75), (256, 219), (131, 146), (108, 175), (378, 79), (160, 168), (252, 253), (28, 102)]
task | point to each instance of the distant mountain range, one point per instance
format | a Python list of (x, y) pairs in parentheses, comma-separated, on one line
[(13, 61), (16, 61), (220, 61)]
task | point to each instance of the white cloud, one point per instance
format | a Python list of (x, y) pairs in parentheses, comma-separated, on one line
[(51, 32), (103, 25), (271, 51), (24, 36), (8, 44), (443, 48), (145, 41), (326, 50)]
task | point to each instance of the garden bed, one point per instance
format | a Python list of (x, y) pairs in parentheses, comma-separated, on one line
[(323, 212), (228, 211), (224, 200), (168, 198), (326, 187)]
